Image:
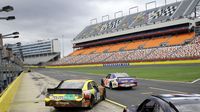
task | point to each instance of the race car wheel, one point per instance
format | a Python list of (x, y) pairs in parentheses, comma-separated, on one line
[(110, 86), (58, 108), (91, 102), (104, 95), (102, 83)]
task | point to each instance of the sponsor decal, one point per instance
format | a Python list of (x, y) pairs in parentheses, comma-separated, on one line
[(116, 64)]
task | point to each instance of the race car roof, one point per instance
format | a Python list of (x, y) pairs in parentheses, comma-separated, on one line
[(180, 98), (120, 74)]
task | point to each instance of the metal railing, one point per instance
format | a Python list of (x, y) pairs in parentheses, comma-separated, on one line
[(10, 67)]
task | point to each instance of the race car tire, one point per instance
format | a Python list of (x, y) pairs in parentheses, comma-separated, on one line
[(102, 83), (92, 102), (130, 87), (110, 86), (58, 108), (104, 95)]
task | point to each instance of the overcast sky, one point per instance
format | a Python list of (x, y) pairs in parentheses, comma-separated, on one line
[(47, 19)]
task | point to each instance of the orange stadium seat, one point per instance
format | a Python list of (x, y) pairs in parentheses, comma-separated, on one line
[(102, 48), (135, 44), (155, 42), (179, 39), (117, 47), (77, 52), (89, 50)]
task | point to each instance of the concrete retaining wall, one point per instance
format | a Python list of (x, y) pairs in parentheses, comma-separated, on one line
[(7, 96)]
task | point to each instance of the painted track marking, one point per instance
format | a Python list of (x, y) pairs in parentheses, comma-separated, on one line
[(167, 90), (113, 102), (196, 81), (147, 93)]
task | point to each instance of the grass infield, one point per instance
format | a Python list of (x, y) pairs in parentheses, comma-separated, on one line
[(185, 73)]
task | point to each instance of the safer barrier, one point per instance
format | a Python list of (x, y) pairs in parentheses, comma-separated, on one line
[(75, 66), (167, 62), (124, 64), (9, 93)]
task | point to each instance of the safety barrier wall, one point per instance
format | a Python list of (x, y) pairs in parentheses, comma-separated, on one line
[(167, 62), (7, 96), (116, 64), (75, 66), (124, 64)]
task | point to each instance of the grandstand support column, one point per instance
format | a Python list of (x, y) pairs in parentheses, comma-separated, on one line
[(115, 14), (91, 21), (20, 50), (62, 45), (108, 17), (197, 31)]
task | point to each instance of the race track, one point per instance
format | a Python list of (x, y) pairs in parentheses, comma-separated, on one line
[(123, 96)]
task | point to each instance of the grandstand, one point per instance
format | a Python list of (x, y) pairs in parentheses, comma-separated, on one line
[(169, 32)]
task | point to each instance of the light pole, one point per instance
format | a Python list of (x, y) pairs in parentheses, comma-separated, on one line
[(4, 68), (14, 33), (6, 9)]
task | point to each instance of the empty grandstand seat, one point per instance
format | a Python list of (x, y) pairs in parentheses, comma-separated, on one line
[(77, 52), (117, 47), (135, 44), (180, 39), (102, 49), (89, 50), (155, 42)]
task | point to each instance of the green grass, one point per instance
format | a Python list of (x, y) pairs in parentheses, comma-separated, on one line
[(184, 73)]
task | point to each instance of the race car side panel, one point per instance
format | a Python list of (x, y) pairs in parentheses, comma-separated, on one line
[(107, 83)]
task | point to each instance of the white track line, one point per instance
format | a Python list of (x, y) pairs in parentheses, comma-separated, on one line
[(118, 104), (195, 81), (147, 93), (167, 90), (164, 81)]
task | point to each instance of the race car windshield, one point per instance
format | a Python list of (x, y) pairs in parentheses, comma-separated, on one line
[(121, 75), (71, 85)]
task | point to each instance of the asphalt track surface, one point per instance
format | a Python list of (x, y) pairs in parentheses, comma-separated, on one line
[(128, 97)]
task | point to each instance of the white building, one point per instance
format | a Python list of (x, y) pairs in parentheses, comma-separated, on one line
[(39, 52)]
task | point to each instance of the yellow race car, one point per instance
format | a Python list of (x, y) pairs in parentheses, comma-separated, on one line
[(75, 93)]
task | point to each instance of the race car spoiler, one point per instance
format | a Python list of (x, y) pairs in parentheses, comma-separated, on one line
[(64, 91)]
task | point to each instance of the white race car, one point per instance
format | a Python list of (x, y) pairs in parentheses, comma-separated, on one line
[(117, 80)]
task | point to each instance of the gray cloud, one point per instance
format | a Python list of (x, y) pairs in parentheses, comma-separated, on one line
[(45, 19)]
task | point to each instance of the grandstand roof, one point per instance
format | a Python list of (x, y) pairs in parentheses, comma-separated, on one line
[(174, 11)]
